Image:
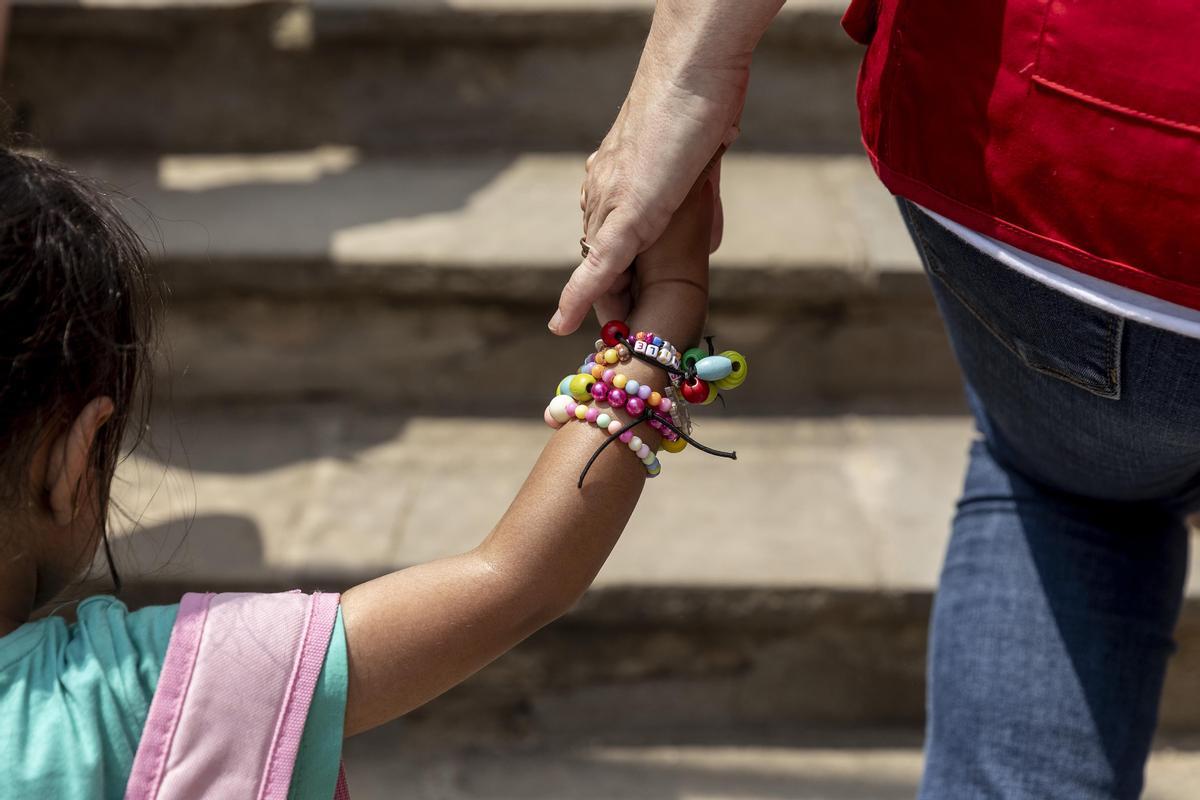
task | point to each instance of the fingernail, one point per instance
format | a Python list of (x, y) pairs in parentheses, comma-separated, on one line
[(555, 322)]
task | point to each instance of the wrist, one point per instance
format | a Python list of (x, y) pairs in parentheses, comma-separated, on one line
[(674, 309)]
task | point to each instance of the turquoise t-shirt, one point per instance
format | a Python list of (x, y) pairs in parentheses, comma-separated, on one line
[(74, 698)]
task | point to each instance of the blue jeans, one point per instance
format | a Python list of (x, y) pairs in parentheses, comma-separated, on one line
[(1064, 576)]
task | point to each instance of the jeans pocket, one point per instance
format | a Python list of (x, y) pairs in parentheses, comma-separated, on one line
[(1049, 331)]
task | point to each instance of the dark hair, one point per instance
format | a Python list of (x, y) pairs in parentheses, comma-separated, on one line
[(78, 312)]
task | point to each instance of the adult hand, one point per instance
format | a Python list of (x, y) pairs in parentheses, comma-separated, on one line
[(682, 111), (664, 137), (670, 289)]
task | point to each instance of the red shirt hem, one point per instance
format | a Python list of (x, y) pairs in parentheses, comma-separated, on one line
[(1115, 272)]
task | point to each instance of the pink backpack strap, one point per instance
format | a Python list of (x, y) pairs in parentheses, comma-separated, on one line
[(229, 710), (341, 791)]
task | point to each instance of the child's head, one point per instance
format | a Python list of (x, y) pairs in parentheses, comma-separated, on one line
[(76, 322)]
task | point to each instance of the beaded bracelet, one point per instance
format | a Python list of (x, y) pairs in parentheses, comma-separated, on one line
[(696, 374), (706, 373), (696, 378), (563, 409), (615, 389), (615, 346), (604, 384)]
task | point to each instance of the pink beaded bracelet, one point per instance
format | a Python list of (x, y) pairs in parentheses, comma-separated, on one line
[(621, 392), (563, 408), (605, 385)]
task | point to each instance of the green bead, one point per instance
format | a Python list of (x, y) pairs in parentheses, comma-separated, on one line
[(580, 387), (692, 356), (737, 375), (676, 446)]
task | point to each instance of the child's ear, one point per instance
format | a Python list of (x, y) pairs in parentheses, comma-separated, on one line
[(70, 456)]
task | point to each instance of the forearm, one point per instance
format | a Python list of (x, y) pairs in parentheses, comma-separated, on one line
[(707, 33), (555, 537), (416, 633)]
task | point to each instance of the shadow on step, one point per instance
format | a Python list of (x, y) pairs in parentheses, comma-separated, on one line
[(636, 665)]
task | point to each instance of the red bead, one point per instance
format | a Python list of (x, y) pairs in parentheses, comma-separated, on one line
[(696, 391), (614, 332)]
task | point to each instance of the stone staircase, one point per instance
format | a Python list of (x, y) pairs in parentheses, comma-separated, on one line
[(865, 766), (365, 210), (388, 76), (319, 274)]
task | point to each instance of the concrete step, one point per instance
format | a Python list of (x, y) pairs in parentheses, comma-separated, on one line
[(860, 765), (386, 75), (393, 76), (329, 274), (815, 567)]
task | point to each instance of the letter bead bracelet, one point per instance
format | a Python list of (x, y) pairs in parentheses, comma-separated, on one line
[(695, 378)]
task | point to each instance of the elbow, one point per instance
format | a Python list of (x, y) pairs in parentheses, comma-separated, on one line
[(534, 598), (546, 603), (556, 605)]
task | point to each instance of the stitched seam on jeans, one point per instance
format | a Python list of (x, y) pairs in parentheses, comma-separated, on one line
[(931, 260), (1114, 354), (1111, 390), (1117, 108)]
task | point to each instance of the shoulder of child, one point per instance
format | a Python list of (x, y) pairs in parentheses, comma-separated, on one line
[(75, 697), (128, 646), (107, 646)]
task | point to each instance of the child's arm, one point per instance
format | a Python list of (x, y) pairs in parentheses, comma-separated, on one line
[(415, 633)]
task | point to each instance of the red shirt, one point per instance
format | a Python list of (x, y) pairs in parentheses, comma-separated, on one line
[(1067, 128)]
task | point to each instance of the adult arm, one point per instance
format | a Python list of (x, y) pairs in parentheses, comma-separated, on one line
[(682, 109)]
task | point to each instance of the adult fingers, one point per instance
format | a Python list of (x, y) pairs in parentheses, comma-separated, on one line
[(617, 302), (583, 188), (718, 221), (612, 250), (587, 170)]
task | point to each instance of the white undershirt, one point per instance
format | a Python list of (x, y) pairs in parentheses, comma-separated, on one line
[(1110, 297)]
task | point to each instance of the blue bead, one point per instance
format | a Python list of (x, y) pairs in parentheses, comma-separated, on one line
[(658, 341), (564, 386), (631, 387), (714, 368), (586, 369)]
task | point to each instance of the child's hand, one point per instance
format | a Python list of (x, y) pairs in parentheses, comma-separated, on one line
[(414, 634), (671, 278)]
